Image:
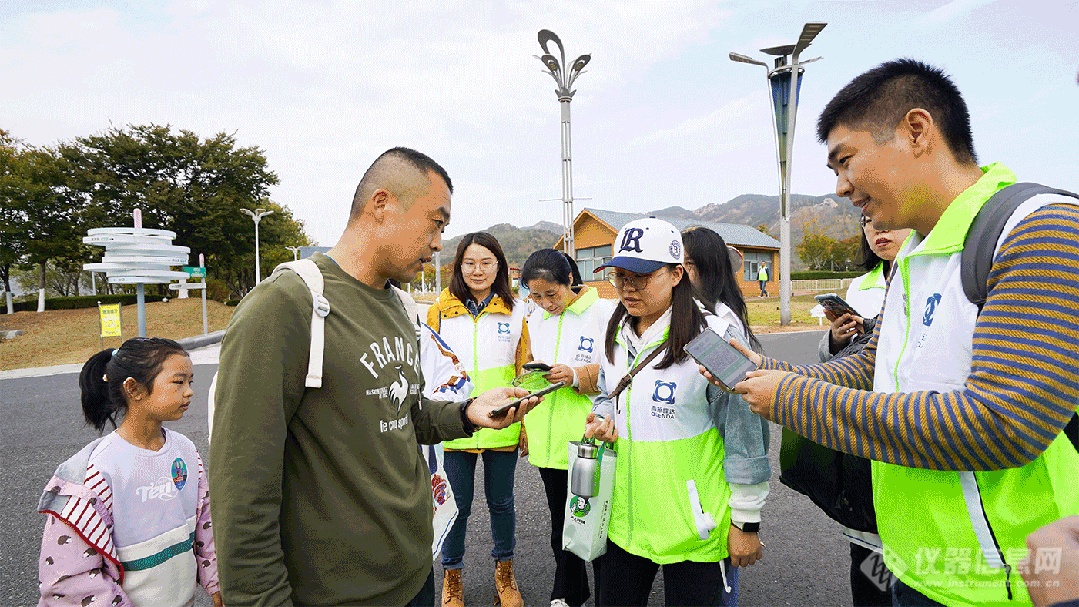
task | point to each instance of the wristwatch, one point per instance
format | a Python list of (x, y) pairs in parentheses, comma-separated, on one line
[(469, 427), (748, 527)]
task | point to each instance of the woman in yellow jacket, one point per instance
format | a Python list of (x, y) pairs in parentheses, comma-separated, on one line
[(478, 317)]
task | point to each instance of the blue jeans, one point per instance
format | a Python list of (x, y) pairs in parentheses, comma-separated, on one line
[(498, 472)]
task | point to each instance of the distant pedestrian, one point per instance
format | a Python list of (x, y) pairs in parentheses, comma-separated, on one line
[(762, 278), (129, 515)]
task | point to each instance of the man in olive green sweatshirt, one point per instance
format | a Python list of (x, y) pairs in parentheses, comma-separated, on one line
[(320, 496)]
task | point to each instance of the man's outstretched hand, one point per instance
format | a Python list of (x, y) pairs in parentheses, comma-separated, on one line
[(495, 398)]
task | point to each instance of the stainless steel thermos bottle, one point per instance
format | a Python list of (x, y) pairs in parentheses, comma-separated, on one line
[(584, 479)]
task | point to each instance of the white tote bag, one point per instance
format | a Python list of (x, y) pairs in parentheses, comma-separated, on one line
[(585, 530), (442, 497)]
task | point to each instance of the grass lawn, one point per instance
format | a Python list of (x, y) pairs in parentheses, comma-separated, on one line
[(59, 337), (764, 314)]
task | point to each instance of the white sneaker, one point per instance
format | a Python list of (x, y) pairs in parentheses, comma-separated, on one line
[(559, 603)]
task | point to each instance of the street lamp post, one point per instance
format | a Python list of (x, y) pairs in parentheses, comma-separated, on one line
[(257, 216), (784, 82), (295, 252), (564, 91)]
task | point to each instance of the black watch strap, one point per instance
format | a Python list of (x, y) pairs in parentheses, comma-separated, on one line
[(749, 527), (470, 428)]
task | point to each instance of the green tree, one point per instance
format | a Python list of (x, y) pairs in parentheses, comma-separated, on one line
[(42, 228), (12, 208), (276, 232), (194, 187)]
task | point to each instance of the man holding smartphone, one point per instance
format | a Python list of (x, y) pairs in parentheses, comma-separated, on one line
[(965, 421), (320, 495)]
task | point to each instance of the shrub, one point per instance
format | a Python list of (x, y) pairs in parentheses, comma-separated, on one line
[(74, 303), (823, 275)]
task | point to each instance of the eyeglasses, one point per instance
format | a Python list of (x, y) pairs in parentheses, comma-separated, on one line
[(637, 282), (864, 220), (486, 266)]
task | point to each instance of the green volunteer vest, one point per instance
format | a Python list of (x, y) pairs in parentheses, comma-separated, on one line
[(956, 537), (577, 337), (668, 448)]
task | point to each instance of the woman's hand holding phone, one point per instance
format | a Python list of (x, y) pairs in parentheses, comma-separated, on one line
[(560, 373), (844, 327)]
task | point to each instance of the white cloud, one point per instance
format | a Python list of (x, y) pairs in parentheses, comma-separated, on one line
[(952, 10)]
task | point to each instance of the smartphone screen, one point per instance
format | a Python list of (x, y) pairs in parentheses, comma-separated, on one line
[(726, 364), (835, 304)]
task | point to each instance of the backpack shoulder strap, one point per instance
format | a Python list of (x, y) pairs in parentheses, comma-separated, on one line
[(981, 242), (980, 249), (412, 311), (320, 309)]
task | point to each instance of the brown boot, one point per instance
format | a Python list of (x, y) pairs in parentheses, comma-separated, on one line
[(453, 589), (506, 592)]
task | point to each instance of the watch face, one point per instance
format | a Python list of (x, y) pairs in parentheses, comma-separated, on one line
[(751, 527)]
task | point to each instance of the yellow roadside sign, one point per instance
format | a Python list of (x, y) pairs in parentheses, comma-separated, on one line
[(110, 320)]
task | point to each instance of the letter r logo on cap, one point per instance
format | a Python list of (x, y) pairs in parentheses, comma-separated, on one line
[(632, 240)]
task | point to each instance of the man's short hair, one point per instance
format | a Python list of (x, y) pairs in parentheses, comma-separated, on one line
[(879, 99), (401, 171)]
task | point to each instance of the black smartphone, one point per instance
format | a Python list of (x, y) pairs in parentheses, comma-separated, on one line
[(536, 366), (499, 412), (835, 304), (726, 364)]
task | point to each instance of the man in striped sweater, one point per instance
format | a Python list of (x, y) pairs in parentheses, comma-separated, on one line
[(962, 412)]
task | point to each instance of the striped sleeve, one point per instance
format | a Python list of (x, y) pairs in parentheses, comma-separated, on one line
[(1024, 377), (854, 371)]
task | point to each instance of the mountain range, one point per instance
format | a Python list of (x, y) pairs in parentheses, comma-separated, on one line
[(831, 215)]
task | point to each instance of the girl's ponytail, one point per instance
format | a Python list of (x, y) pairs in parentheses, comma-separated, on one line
[(97, 404), (102, 379)]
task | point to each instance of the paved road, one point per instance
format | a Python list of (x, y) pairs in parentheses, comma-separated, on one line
[(806, 562)]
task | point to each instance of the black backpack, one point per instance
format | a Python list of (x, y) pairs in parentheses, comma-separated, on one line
[(841, 484)]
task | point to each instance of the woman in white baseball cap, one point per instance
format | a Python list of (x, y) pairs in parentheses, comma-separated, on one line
[(692, 471)]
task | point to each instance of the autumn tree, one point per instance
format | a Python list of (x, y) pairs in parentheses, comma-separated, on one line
[(819, 251)]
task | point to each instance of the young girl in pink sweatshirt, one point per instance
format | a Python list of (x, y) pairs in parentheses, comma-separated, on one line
[(128, 516)]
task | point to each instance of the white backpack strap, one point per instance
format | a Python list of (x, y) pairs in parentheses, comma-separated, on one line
[(320, 309), (412, 310)]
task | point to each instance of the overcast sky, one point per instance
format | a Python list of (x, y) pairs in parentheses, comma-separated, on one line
[(661, 116)]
